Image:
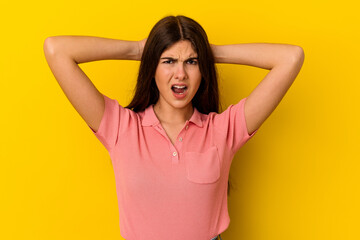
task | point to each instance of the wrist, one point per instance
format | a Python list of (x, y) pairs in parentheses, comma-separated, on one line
[(215, 50), (134, 53)]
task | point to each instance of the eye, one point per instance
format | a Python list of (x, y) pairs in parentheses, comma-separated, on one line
[(168, 61), (192, 62)]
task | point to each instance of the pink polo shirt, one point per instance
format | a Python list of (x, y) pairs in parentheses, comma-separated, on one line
[(166, 191)]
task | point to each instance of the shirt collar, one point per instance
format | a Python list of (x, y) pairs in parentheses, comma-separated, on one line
[(150, 119)]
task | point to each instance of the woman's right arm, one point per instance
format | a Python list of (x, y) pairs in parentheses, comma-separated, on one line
[(64, 53)]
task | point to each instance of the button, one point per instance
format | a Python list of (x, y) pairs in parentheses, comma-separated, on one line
[(174, 154), (187, 126), (180, 139)]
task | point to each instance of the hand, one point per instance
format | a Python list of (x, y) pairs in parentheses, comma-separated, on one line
[(141, 45)]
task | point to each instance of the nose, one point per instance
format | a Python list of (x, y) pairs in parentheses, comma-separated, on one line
[(180, 72)]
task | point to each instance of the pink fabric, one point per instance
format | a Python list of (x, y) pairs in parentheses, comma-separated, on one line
[(168, 191)]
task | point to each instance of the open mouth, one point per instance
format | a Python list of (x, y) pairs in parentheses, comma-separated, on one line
[(179, 89)]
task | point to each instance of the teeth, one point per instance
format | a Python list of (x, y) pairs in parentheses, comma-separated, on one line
[(180, 87)]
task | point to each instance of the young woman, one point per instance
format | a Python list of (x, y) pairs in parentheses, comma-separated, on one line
[(170, 148)]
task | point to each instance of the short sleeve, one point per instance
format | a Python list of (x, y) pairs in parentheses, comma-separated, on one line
[(109, 126), (232, 123)]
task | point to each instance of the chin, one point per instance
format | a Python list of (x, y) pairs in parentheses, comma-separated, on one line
[(180, 104)]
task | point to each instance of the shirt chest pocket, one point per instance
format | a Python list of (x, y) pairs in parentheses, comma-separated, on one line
[(203, 167)]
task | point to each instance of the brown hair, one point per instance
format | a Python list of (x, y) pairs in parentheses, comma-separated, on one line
[(163, 35)]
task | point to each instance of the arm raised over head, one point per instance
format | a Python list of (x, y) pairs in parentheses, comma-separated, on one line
[(284, 62), (64, 53)]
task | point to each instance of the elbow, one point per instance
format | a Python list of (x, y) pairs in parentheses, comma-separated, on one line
[(297, 59), (294, 55), (52, 45), (298, 55), (49, 46)]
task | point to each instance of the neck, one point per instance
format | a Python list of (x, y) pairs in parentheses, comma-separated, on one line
[(169, 115)]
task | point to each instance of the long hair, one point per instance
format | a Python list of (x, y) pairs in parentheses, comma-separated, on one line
[(163, 35)]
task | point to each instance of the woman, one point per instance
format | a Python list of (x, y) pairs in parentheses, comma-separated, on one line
[(170, 148)]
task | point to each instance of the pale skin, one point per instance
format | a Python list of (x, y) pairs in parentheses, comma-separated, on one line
[(64, 53)]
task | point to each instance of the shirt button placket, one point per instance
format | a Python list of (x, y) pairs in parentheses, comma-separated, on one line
[(175, 156)]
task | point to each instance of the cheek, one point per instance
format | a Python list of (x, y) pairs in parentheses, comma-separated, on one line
[(161, 80), (196, 72), (163, 72), (197, 76)]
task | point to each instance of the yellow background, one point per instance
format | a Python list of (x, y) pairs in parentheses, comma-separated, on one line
[(298, 178)]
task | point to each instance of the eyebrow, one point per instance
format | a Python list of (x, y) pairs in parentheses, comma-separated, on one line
[(170, 58)]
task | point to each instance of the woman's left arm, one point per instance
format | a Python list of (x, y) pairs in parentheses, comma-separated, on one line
[(284, 62)]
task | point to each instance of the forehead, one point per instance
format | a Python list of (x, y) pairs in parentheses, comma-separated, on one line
[(180, 48)]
